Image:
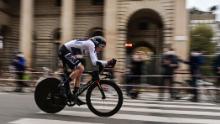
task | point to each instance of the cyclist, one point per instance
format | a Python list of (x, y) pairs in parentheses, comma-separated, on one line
[(71, 54)]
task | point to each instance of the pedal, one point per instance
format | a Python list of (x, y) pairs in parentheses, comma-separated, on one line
[(70, 103)]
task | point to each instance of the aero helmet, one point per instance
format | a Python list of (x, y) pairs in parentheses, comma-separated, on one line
[(99, 41)]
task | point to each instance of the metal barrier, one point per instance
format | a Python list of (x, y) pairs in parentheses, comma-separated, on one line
[(40, 74), (36, 74), (130, 75)]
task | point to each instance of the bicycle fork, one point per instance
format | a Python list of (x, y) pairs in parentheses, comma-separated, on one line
[(101, 89)]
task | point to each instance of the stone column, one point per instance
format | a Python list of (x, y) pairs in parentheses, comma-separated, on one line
[(26, 31), (181, 40), (68, 7), (110, 10)]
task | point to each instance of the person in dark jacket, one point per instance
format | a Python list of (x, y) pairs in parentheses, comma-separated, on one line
[(195, 61), (134, 77), (169, 65), (216, 70), (19, 63)]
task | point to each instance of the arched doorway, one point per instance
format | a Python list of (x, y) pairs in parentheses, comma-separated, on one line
[(145, 33), (145, 28)]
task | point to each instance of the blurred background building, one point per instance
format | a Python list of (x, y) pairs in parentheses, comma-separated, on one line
[(37, 27)]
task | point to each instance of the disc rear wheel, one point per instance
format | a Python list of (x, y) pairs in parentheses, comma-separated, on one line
[(47, 96)]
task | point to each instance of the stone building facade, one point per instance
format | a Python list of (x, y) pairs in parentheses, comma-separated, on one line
[(37, 27)]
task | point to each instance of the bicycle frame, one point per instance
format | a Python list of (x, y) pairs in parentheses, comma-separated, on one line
[(90, 83), (87, 85), (83, 88)]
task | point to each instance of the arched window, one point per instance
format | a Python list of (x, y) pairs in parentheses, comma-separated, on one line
[(57, 34), (97, 2), (4, 29), (58, 3), (96, 32)]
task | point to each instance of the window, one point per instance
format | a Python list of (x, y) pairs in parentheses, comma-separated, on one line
[(5, 1), (58, 3), (97, 33), (57, 34), (4, 29), (97, 2)]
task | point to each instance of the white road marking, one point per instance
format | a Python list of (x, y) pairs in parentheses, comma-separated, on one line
[(46, 121), (145, 118), (160, 105), (160, 111), (141, 108), (162, 102), (2, 93)]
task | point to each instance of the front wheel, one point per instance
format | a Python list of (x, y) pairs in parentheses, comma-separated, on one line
[(107, 106)]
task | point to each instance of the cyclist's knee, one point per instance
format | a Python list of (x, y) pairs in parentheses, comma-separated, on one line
[(80, 69), (77, 72), (73, 75)]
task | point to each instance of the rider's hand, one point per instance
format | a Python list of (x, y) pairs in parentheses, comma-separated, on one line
[(111, 62)]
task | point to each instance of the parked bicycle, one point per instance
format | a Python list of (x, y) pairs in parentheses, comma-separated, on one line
[(99, 92)]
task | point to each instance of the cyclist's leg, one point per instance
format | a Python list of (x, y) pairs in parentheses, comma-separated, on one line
[(76, 74)]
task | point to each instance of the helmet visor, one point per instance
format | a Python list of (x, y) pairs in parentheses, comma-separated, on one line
[(102, 45)]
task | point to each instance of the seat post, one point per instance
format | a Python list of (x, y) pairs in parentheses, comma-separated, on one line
[(65, 68)]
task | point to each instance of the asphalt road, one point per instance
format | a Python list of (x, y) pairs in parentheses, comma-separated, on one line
[(20, 109)]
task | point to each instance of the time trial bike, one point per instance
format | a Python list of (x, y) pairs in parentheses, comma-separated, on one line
[(103, 96)]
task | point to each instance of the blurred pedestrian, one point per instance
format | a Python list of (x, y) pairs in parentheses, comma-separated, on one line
[(169, 65), (195, 61), (134, 77), (19, 64), (216, 70)]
